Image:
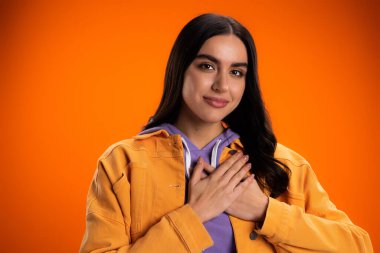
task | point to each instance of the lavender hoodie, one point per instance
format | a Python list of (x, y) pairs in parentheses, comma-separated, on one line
[(219, 228)]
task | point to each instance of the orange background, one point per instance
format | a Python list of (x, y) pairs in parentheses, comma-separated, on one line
[(78, 77)]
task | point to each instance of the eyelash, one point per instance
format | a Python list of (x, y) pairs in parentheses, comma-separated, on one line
[(204, 64)]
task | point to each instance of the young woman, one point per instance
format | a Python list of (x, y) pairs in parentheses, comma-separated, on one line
[(206, 174)]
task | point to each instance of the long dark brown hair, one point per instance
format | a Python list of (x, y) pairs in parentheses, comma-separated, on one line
[(250, 119)]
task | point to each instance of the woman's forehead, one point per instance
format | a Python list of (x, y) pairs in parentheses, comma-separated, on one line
[(227, 48)]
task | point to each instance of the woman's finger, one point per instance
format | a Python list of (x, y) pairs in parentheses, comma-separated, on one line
[(235, 168), (197, 172), (239, 176), (208, 168), (227, 164), (242, 186)]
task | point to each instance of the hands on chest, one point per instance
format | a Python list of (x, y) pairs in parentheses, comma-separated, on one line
[(227, 188)]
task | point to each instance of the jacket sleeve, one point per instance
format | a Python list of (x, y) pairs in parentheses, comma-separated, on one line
[(108, 222), (319, 227)]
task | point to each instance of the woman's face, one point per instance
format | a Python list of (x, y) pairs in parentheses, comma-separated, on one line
[(214, 82)]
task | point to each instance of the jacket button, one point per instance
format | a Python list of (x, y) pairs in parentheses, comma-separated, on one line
[(253, 235)]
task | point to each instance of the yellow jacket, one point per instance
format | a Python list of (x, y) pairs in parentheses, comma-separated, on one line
[(136, 204)]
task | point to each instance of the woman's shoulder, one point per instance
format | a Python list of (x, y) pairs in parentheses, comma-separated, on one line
[(302, 176), (288, 155), (114, 147), (146, 142), (120, 156)]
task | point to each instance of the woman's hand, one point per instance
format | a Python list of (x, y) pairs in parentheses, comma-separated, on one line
[(209, 196), (251, 204)]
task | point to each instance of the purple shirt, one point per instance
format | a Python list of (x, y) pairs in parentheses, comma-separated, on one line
[(219, 228)]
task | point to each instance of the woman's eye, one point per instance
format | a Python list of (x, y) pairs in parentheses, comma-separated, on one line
[(237, 73), (206, 66)]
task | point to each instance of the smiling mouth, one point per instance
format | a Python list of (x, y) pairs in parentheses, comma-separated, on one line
[(215, 103)]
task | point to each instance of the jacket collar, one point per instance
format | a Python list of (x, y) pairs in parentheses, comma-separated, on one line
[(164, 133), (161, 132)]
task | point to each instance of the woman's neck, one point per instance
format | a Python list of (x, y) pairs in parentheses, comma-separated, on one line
[(200, 134)]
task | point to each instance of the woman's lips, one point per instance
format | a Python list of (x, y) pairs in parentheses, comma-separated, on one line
[(216, 102)]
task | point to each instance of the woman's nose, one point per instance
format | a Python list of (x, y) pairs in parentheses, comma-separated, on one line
[(221, 82)]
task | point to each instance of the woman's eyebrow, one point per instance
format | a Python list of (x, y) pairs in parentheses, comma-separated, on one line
[(216, 61)]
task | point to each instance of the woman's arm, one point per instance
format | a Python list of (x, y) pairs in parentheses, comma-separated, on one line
[(321, 227), (108, 221)]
